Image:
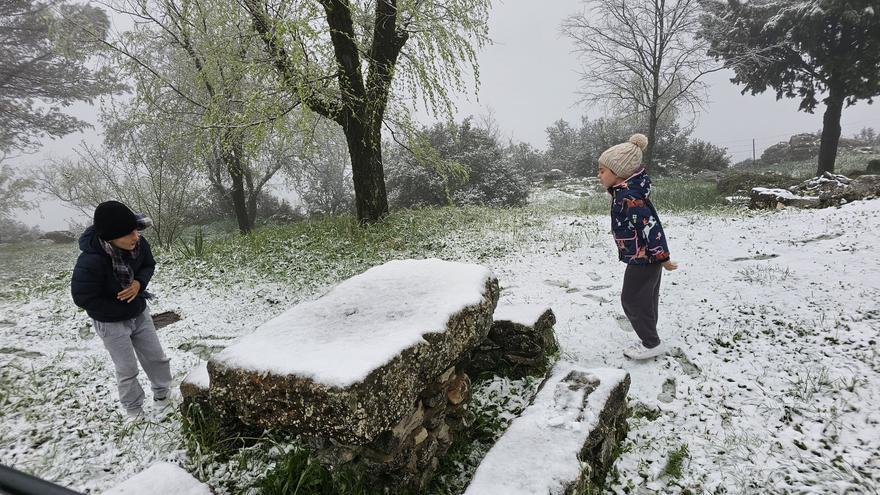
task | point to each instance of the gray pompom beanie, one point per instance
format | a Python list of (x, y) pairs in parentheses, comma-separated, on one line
[(625, 159)]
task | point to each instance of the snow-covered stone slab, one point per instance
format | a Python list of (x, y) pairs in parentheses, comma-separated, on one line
[(521, 342), (563, 441), (349, 364), (163, 478)]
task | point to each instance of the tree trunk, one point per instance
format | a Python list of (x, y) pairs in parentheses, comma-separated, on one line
[(235, 169), (365, 150), (830, 132), (648, 155)]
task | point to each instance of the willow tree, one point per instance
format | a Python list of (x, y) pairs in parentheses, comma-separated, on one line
[(347, 60), (194, 64), (44, 67)]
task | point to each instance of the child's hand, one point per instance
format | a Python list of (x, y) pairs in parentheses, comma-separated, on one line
[(129, 293), (670, 265)]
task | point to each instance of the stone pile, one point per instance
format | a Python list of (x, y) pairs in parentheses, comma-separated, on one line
[(819, 192), (357, 389), (521, 342)]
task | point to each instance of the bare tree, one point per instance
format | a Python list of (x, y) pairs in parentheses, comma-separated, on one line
[(642, 57), (147, 167)]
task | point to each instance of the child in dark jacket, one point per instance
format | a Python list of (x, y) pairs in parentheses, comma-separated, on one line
[(109, 281), (641, 243)]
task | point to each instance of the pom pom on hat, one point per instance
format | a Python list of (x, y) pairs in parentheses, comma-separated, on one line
[(625, 159), (639, 140)]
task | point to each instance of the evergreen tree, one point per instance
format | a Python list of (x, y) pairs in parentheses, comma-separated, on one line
[(807, 49)]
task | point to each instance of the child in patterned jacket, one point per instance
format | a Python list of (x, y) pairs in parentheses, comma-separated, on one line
[(640, 240)]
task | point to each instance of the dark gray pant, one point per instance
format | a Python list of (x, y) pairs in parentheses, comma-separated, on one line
[(640, 298), (131, 341)]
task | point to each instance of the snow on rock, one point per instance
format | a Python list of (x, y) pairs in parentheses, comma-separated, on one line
[(524, 314), (350, 364), (781, 193), (539, 452), (362, 323), (161, 477), (522, 342), (198, 376), (762, 197)]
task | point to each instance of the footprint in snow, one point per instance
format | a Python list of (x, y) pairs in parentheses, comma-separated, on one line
[(558, 283), (596, 298), (667, 395), (689, 368), (757, 257)]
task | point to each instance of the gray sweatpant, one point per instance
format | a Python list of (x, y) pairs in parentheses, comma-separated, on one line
[(128, 342), (640, 298)]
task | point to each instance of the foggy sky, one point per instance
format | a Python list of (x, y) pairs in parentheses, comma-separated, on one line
[(529, 79)]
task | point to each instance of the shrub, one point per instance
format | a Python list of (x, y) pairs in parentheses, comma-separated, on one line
[(701, 155), (459, 164)]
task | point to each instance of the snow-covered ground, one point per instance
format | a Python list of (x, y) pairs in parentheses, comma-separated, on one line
[(773, 385)]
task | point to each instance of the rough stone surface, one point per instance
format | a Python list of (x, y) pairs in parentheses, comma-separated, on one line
[(599, 451), (833, 190), (803, 147), (516, 349), (358, 413)]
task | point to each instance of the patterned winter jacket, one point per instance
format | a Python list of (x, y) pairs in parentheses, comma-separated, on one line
[(634, 222)]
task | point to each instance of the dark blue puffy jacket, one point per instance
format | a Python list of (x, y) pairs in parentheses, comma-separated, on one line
[(634, 222), (94, 287)]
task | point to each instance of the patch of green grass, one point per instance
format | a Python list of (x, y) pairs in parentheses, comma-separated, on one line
[(675, 463), (298, 473), (669, 195), (845, 163), (328, 249), (496, 401), (640, 410), (30, 269)]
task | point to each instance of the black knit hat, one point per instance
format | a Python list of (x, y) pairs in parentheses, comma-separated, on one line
[(114, 220)]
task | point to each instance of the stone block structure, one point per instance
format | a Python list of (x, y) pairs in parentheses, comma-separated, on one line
[(521, 342), (367, 373), (565, 441)]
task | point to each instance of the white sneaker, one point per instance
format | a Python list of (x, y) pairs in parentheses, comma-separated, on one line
[(134, 414), (171, 399), (640, 352)]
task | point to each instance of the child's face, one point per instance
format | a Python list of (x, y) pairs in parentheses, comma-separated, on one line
[(127, 242), (607, 177)]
